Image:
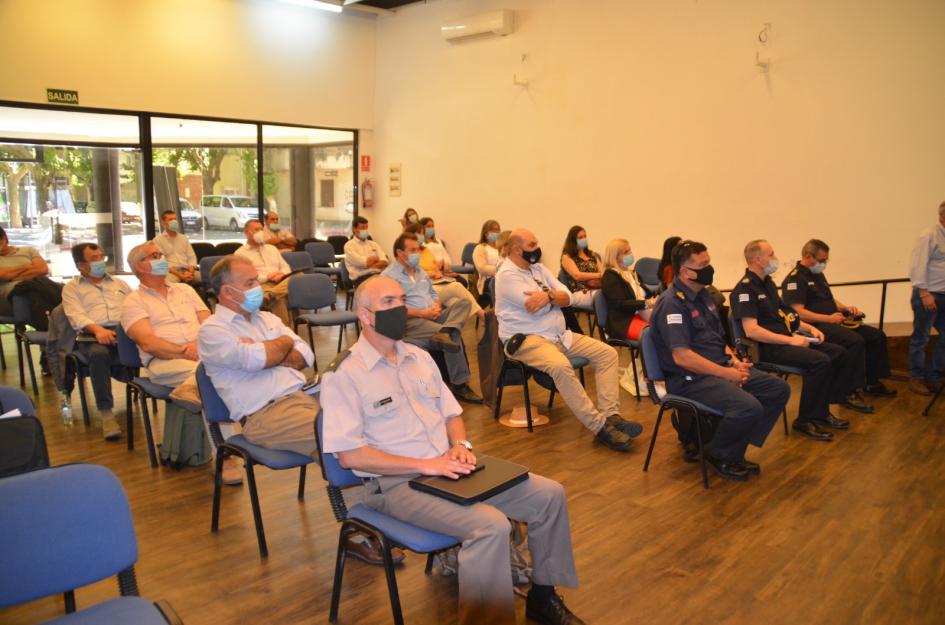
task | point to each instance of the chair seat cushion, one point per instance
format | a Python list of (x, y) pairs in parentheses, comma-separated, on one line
[(328, 318), (463, 269), (36, 337), (404, 534), (669, 397), (272, 458), (121, 610), (330, 271), (157, 391)]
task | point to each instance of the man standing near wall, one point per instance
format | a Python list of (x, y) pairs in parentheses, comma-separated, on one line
[(927, 274)]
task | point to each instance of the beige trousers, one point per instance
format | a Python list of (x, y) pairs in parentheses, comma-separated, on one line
[(287, 423), (551, 358)]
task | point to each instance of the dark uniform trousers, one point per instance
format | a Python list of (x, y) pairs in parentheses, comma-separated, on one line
[(870, 345), (103, 364), (829, 378), (750, 411)]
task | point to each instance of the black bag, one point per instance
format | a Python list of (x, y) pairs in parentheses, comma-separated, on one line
[(685, 426), (22, 445)]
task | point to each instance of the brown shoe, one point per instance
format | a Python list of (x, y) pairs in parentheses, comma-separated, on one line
[(232, 472), (919, 387), (368, 549)]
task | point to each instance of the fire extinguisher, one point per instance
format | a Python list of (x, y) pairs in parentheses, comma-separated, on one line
[(367, 194)]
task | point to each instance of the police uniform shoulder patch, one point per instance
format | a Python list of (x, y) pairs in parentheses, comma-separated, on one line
[(336, 362), (745, 280), (794, 272), (680, 295)]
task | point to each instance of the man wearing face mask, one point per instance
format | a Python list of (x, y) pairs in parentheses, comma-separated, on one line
[(427, 319), (277, 235), (700, 365), (786, 340), (807, 291), (93, 301), (363, 257), (389, 417), (181, 259), (162, 318), (528, 301), (271, 267)]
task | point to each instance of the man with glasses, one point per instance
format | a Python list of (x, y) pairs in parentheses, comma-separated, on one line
[(92, 302), (807, 291), (699, 365)]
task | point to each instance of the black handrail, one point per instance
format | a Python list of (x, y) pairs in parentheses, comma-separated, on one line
[(882, 302)]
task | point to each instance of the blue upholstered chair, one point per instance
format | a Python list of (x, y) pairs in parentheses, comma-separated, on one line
[(647, 269), (314, 292), (140, 388), (600, 311), (298, 260), (26, 338)]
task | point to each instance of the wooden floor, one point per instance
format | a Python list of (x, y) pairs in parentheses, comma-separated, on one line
[(836, 533)]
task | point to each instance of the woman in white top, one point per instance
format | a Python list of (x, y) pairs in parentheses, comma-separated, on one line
[(486, 254)]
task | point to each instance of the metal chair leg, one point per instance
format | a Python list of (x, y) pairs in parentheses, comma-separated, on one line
[(551, 399), (29, 361), (391, 582), (656, 430), (633, 363), (302, 482), (129, 418), (528, 403), (19, 358), (146, 418), (257, 513), (498, 398), (339, 572), (705, 470), (429, 567), (217, 487), (83, 398)]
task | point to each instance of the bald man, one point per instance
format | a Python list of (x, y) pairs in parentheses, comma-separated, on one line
[(528, 301), (389, 417), (277, 235)]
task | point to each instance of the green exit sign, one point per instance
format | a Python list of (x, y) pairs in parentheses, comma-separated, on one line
[(62, 96)]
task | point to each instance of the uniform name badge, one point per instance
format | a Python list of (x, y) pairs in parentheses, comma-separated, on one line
[(383, 402), (792, 286), (744, 297), (674, 318)]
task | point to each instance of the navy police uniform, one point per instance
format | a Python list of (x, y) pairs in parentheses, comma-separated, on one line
[(686, 319), (811, 290), (827, 379)]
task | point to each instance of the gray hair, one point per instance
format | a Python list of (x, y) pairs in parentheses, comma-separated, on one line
[(136, 254), (222, 271), (752, 249)]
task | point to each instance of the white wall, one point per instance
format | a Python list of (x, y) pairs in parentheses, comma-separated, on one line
[(647, 119), (248, 59)]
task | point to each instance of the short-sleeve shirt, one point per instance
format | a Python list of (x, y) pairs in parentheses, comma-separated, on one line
[(178, 250), (20, 257), (811, 290), (173, 318), (401, 408), (418, 288), (86, 303), (757, 298), (686, 319)]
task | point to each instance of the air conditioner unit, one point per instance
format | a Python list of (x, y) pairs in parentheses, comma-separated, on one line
[(481, 25)]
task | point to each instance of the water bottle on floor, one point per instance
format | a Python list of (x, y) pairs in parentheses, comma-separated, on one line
[(66, 410)]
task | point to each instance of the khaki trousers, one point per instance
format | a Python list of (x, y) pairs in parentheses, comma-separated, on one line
[(485, 569), (278, 300), (551, 358), (452, 292), (287, 423)]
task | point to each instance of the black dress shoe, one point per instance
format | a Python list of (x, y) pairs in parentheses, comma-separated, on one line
[(464, 392), (614, 438), (690, 455), (443, 341), (810, 430), (630, 428), (832, 422), (752, 467), (734, 471), (854, 402), (549, 611), (879, 390)]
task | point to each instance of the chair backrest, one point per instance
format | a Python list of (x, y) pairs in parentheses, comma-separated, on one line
[(300, 246), (298, 260), (337, 242), (206, 264), (128, 354), (62, 528), (322, 253), (600, 312), (467, 256), (563, 276), (13, 398), (22, 311), (738, 331), (345, 276), (647, 269), (22, 445), (202, 248), (651, 358), (335, 474), (214, 410), (310, 291), (227, 247)]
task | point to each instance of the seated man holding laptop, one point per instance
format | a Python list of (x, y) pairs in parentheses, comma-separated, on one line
[(389, 416)]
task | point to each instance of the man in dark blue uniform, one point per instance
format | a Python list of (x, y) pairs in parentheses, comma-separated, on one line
[(699, 365), (807, 291), (785, 340)]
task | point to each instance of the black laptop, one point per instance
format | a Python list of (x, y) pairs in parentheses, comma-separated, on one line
[(491, 477)]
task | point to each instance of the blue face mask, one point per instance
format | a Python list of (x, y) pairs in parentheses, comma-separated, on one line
[(420, 239), (818, 267), (363, 235), (492, 237), (159, 267), (97, 269), (276, 227), (173, 226), (252, 299), (582, 244), (430, 232), (628, 261), (413, 260)]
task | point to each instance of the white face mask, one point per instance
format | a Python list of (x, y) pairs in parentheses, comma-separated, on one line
[(818, 267), (772, 266), (259, 237)]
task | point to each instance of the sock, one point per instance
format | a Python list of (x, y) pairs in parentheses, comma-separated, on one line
[(542, 592)]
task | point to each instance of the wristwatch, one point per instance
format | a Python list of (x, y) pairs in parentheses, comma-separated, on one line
[(464, 443)]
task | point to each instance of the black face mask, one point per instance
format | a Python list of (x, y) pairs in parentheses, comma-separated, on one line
[(703, 276), (532, 257), (391, 323)]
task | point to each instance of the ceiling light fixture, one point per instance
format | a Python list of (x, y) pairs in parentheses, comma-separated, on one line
[(325, 5)]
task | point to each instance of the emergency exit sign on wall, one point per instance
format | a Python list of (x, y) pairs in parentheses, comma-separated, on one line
[(62, 96)]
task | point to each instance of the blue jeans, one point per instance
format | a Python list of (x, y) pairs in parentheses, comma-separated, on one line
[(921, 328)]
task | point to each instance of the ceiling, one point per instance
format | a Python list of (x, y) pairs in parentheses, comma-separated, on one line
[(388, 4)]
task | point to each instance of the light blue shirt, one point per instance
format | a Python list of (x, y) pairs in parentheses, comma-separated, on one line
[(928, 261), (418, 288), (511, 287), (237, 368)]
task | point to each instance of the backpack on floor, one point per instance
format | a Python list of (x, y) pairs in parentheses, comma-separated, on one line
[(185, 438), (685, 427)]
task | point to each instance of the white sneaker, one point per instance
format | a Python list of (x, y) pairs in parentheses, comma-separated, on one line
[(110, 429)]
